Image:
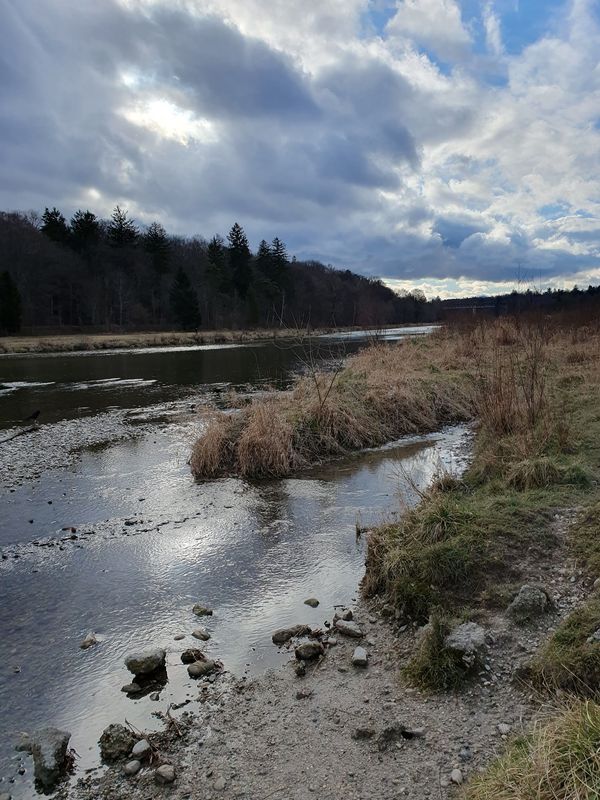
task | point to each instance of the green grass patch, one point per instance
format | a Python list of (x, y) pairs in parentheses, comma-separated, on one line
[(560, 760), (434, 667), (568, 660)]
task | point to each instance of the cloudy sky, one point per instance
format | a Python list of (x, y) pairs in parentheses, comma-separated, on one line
[(452, 145)]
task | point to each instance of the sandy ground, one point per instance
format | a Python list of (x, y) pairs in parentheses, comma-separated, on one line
[(349, 732)]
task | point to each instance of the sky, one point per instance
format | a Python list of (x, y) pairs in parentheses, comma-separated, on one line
[(449, 145)]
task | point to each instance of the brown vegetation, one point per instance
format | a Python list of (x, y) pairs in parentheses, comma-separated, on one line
[(382, 393)]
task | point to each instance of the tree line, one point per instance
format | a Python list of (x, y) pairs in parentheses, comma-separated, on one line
[(97, 274)]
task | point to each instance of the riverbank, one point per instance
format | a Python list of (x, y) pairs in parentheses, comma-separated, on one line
[(510, 552), (81, 342)]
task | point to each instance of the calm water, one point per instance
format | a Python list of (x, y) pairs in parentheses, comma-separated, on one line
[(152, 543)]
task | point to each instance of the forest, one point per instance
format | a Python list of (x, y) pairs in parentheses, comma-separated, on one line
[(58, 275)]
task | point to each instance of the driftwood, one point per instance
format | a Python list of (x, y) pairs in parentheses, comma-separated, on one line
[(20, 433)]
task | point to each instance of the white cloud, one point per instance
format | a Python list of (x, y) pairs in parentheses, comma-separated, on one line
[(436, 24), (298, 118)]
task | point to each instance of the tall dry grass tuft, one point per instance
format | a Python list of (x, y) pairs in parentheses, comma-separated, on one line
[(560, 760), (265, 447)]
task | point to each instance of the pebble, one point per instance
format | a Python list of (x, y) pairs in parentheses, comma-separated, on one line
[(220, 784), (202, 611), (141, 748), (360, 657), (89, 641), (348, 628), (456, 777), (165, 774), (131, 688), (202, 634), (179, 637), (132, 767), (312, 602)]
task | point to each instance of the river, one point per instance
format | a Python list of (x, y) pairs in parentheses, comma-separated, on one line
[(108, 460)]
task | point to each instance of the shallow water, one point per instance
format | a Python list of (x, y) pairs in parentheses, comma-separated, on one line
[(150, 544)]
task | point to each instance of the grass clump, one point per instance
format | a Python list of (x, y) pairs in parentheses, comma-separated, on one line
[(434, 667), (379, 395), (570, 659), (560, 760), (433, 550)]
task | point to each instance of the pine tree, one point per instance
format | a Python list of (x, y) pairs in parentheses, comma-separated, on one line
[(218, 273), (280, 262), (156, 245), (54, 226), (122, 231), (239, 258), (85, 231), (264, 258), (10, 304), (184, 302)]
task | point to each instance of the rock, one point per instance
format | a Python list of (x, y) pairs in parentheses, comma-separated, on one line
[(597, 583), (202, 634), (530, 602), (300, 669), (202, 611), (155, 696), (349, 628), (467, 641), (312, 602), (189, 656), (145, 661), (363, 732), (5, 796), (220, 784), (331, 641), (116, 742), (201, 668), (594, 638), (141, 749), (178, 637), (164, 774), (283, 635), (456, 777), (131, 688), (132, 767), (304, 694), (48, 747), (503, 729), (308, 651), (360, 657), (89, 641)]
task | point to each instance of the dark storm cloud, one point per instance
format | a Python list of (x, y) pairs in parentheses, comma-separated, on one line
[(333, 159)]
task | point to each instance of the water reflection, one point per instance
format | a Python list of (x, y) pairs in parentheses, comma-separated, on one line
[(253, 552)]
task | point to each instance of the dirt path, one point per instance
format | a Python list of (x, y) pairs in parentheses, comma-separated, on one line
[(349, 732)]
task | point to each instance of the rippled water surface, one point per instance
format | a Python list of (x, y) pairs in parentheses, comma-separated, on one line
[(151, 542)]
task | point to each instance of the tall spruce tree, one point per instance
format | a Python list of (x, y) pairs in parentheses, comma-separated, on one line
[(239, 259), (10, 304), (85, 231), (184, 302), (122, 230), (54, 226), (280, 262), (156, 244), (218, 271)]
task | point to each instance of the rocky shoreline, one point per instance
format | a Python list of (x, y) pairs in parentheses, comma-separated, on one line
[(332, 725)]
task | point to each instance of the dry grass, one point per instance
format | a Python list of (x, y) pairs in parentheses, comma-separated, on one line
[(381, 394), (560, 760), (458, 543)]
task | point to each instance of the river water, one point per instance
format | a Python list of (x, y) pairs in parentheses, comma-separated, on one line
[(109, 460)]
